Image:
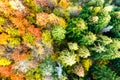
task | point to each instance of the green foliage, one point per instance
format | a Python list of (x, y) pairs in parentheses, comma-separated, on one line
[(115, 64), (96, 2), (100, 2), (103, 73), (61, 12), (115, 45), (31, 19), (98, 48), (87, 11), (47, 67), (58, 33), (117, 2), (103, 40), (58, 11), (109, 8), (108, 1), (73, 46), (110, 51), (67, 58), (75, 33), (115, 22), (75, 29), (100, 21), (95, 15), (83, 52), (108, 54), (87, 39), (76, 25), (80, 38), (34, 74), (28, 38)]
